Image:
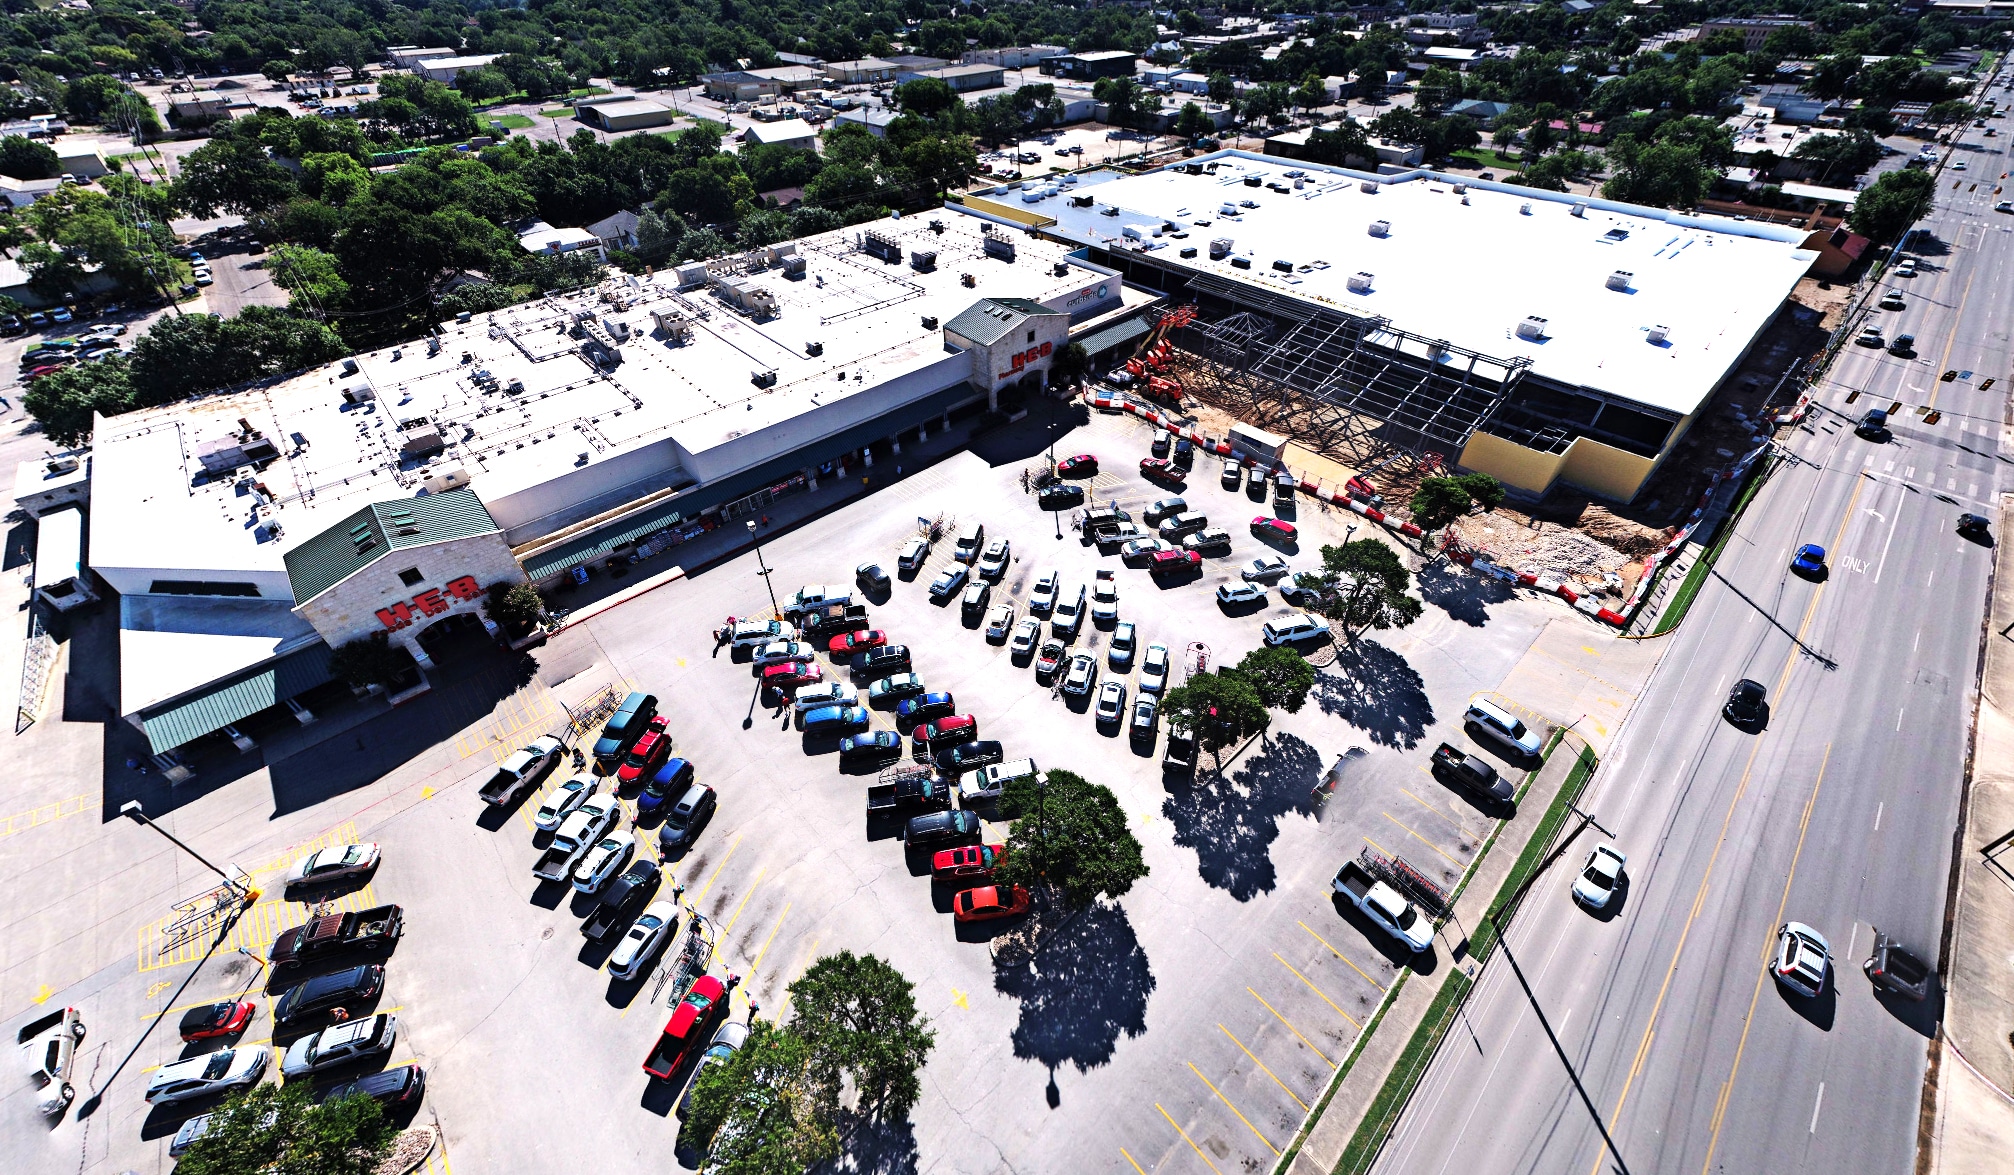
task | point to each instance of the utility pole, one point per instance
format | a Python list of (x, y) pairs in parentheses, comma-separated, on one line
[(765, 573), (132, 808)]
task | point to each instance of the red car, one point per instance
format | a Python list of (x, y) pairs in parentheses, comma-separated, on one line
[(990, 901), (1273, 528), (1166, 562), (39, 372), (212, 1020), (688, 1027), (967, 861), (1159, 469), (1082, 463), (858, 642), (946, 732), (787, 675), (648, 754)]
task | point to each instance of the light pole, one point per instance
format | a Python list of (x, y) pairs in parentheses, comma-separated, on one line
[(132, 808), (765, 572)]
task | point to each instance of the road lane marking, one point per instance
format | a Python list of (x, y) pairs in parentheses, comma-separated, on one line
[(1290, 1028), (1877, 820), (1187, 1139), (1318, 991), (1232, 1108), (1338, 954), (1815, 1108), (1263, 1069), (1762, 973), (1957, 324), (1423, 840), (1898, 716)]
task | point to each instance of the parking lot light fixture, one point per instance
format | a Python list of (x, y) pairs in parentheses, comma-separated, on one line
[(132, 809), (765, 572)]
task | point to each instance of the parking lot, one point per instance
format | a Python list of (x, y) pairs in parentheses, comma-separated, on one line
[(1186, 1027)]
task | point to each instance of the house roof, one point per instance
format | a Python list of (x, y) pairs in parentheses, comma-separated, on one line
[(787, 130), (377, 530), (989, 320), (614, 225)]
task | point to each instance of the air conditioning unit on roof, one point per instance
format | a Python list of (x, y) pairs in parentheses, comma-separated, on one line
[(1533, 328), (1619, 280), (1360, 283), (1381, 228)]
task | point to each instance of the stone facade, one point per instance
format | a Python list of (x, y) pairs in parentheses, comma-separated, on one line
[(1025, 351), (450, 580)]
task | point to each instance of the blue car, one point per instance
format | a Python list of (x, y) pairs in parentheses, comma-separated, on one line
[(875, 744), (926, 707), (670, 781), (1809, 560)]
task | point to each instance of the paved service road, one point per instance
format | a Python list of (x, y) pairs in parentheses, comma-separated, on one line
[(1839, 814)]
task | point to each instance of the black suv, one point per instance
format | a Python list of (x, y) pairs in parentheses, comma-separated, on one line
[(393, 1087), (1056, 497), (882, 661), (966, 756), (334, 990), (939, 828)]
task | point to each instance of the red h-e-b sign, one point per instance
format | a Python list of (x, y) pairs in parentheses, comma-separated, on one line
[(430, 602), (1021, 359)]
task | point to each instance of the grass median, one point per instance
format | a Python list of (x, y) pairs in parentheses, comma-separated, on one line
[(1695, 578)]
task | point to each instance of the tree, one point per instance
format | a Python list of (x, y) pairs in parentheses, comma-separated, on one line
[(1218, 708), (1337, 147), (1948, 112), (1190, 121), (1362, 585), (25, 159), (755, 1112), (1070, 839), (947, 161), (279, 1131), (278, 70), (857, 1015), (657, 235), (1221, 88), (1311, 92), (514, 605), (232, 174), (1121, 97), (1441, 500), (1843, 155), (309, 274), (1891, 204), (64, 401), (1281, 677), (369, 661), (1069, 364), (925, 97), (1833, 77)]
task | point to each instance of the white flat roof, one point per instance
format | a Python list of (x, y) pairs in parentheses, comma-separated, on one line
[(1470, 271), (169, 645), (152, 506), (786, 130)]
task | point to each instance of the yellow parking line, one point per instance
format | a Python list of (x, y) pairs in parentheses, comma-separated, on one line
[(1382, 849), (1187, 1139), (1132, 1160), (1290, 1028), (757, 964), (1262, 1068), (1232, 1108), (749, 893), (1449, 817), (1338, 954), (783, 1007), (1318, 991), (36, 817), (1423, 840), (715, 876)]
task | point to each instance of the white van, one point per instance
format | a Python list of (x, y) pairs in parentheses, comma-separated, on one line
[(988, 783), (1504, 728), (1068, 614), (1294, 627)]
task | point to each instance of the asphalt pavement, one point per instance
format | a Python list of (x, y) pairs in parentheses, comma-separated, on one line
[(1838, 814)]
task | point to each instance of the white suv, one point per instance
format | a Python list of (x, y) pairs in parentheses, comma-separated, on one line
[(1803, 959), (211, 1073), (1503, 727), (1294, 627)]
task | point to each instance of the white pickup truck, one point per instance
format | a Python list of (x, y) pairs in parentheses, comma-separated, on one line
[(49, 1051), (1383, 905), (577, 833)]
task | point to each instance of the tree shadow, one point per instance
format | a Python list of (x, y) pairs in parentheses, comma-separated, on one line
[(1374, 689), (1465, 598), (874, 1147), (1232, 821), (1084, 987)]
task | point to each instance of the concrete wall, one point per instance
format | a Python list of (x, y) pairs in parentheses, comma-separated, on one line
[(1026, 350), (1602, 470), (272, 584), (349, 610), (564, 500)]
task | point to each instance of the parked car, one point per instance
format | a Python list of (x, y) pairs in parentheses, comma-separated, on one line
[(777, 652), (1082, 465), (342, 1044), (687, 817), (1049, 659), (835, 722), (623, 897), (1264, 569), (1293, 628), (1274, 529), (336, 863), (1140, 552), (873, 745), (1159, 469), (937, 828), (643, 940), (562, 801), (999, 622), (966, 861), (1059, 497), (790, 675), (327, 936), (1124, 640), (1111, 702), (669, 782), (1209, 539), (1498, 725), (1470, 774), (1025, 635), (968, 757), (227, 1018), (1175, 562), (973, 604), (871, 577), (1234, 473), (208, 1075), (1154, 668), (1043, 597), (1083, 673), (609, 856), (895, 686), (882, 661), (948, 582), (989, 901), (945, 732), (1235, 594), (753, 634), (627, 724), (1146, 714), (48, 1045), (391, 1088), (1600, 875), (650, 750), (993, 563), (338, 989), (689, 1024), (850, 643), (1105, 597), (830, 693), (913, 554), (924, 707), (727, 1040)]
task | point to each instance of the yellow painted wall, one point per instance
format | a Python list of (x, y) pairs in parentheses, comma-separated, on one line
[(1602, 470), (1523, 469)]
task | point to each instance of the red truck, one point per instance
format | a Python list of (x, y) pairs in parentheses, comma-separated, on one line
[(688, 1028)]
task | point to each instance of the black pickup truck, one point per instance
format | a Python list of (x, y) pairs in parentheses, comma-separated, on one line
[(624, 896), (905, 791), (374, 930)]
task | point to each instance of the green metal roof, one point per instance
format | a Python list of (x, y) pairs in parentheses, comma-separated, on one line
[(236, 697), (1108, 337), (989, 320), (377, 530)]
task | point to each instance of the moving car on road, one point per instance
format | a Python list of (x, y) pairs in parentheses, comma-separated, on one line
[(1803, 959), (1599, 877), (1809, 560), (1747, 703)]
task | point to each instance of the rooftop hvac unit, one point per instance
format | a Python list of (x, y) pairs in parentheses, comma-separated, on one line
[(1658, 334), (1370, 186), (763, 379), (1284, 266), (793, 268), (1241, 263), (1360, 283), (1619, 280), (1189, 252), (923, 260), (1300, 182), (1580, 208), (1252, 181), (617, 329), (359, 391), (930, 322), (674, 325), (814, 348), (1461, 189), (1524, 209), (1080, 201), (420, 437), (462, 316), (1220, 248), (1061, 269), (999, 247), (1533, 328), (691, 275), (1381, 228), (881, 245), (1132, 232), (451, 478)]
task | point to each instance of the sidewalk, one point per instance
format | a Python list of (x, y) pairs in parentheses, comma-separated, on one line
[(1406, 1009), (1974, 1096)]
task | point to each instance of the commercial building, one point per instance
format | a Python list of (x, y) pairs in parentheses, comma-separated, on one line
[(1015, 57), (622, 114), (1103, 63), (407, 56), (1754, 30), (447, 69), (786, 132), (861, 71), (875, 121), (1544, 338), (739, 85), (249, 534), (961, 78), (83, 158), (540, 237)]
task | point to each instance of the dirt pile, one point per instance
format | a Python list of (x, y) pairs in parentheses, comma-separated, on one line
[(1549, 549)]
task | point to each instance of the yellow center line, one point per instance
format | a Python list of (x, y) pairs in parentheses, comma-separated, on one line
[(1423, 840), (1338, 954), (1318, 991), (1187, 1139), (1232, 1108), (1290, 1028), (1957, 324), (1748, 1021), (1262, 1068), (1726, 821), (752, 886), (1132, 1160), (715, 876), (757, 964)]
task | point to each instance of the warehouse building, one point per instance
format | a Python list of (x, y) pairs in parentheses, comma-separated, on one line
[(248, 535), (1540, 337), (622, 114)]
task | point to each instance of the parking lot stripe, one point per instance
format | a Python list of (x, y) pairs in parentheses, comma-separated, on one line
[(784, 1007), (1290, 1028), (36, 817), (729, 928), (1262, 1068), (1318, 991), (1423, 840), (715, 876), (1232, 1108), (1338, 954), (1450, 817), (1134, 1161), (1187, 1139), (757, 964)]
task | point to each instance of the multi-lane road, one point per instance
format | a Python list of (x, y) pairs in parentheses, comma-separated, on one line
[(1839, 814)]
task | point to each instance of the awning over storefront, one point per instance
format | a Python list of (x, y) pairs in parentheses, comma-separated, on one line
[(238, 696), (599, 543), (1118, 334)]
